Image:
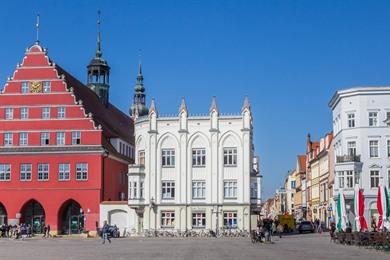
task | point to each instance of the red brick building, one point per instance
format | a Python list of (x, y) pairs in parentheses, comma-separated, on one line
[(63, 147)]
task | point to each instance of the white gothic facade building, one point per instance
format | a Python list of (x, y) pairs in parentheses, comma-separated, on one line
[(361, 143), (192, 172)]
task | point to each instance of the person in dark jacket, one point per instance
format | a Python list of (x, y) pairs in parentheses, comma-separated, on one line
[(105, 233)]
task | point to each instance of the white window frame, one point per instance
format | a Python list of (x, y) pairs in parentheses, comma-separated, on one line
[(45, 112), (60, 138), (167, 219), (168, 157), (167, 190), (198, 189), (25, 172), (135, 189), (340, 176), (198, 157), (141, 157), (141, 190), (9, 113), (230, 219), (81, 171), (351, 120), (371, 150), (230, 189), (5, 172), (8, 139), (388, 148), (76, 138), (46, 87), (61, 112), (351, 147), (388, 178), (199, 219), (23, 139), (253, 190), (43, 172), (350, 177), (24, 113), (372, 118), (130, 189), (230, 156), (63, 171), (45, 138), (374, 178), (24, 87)]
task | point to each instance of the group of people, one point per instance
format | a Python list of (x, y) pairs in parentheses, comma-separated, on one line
[(318, 226), (21, 231), (266, 228), (16, 231)]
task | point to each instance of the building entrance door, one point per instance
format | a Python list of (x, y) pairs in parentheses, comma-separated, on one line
[(76, 224), (3, 215), (38, 223)]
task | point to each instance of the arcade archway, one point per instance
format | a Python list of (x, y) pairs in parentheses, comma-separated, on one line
[(71, 218), (33, 214)]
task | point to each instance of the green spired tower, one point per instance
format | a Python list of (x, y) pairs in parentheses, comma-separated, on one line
[(99, 72), (139, 109)]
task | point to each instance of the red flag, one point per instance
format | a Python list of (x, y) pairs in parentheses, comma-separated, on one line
[(379, 207), (362, 219)]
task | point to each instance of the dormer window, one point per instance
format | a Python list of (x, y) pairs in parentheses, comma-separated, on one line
[(46, 87), (61, 112), (45, 112), (9, 113), (76, 138), (24, 87)]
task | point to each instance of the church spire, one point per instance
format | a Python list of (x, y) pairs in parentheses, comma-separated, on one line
[(138, 107)]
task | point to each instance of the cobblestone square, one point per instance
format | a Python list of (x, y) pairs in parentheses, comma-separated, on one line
[(311, 246)]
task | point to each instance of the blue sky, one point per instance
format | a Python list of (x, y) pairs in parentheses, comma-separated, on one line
[(289, 57)]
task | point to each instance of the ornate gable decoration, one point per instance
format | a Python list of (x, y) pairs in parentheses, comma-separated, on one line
[(374, 166)]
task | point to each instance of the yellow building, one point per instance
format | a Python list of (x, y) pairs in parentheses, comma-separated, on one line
[(320, 156)]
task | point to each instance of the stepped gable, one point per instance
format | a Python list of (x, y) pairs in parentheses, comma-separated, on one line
[(114, 122), (37, 65)]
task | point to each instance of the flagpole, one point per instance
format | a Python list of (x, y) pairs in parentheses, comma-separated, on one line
[(37, 29)]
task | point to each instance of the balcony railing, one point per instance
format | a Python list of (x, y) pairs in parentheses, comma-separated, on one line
[(347, 158)]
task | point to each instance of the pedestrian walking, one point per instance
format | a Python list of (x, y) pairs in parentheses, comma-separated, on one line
[(48, 231), (44, 231), (105, 233)]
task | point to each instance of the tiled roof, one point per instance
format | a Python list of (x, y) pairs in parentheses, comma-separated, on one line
[(115, 123), (302, 162)]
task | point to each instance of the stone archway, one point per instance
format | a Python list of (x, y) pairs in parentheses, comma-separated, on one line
[(3, 214), (33, 214), (71, 218)]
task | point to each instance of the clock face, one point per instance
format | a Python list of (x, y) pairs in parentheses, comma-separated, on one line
[(35, 86)]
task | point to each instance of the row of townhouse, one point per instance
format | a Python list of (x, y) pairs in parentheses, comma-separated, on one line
[(356, 152)]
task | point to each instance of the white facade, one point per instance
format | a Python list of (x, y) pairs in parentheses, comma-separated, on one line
[(289, 186), (194, 172), (361, 143)]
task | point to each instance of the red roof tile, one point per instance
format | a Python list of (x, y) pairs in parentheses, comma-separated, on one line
[(115, 123)]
